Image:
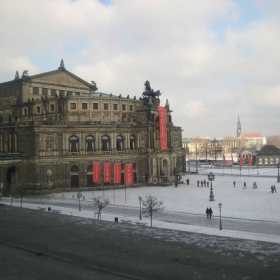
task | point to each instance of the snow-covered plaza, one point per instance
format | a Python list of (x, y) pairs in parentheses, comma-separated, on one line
[(246, 204)]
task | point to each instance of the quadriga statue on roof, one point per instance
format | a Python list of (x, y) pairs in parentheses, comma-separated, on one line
[(149, 92)]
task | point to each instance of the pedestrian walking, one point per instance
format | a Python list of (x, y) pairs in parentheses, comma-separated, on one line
[(198, 183), (204, 182), (274, 187), (207, 212), (207, 184), (234, 183), (210, 212), (201, 183), (244, 186), (188, 181)]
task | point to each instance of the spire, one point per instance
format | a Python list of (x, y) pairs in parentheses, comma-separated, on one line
[(239, 131)]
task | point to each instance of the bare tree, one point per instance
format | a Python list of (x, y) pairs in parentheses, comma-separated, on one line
[(151, 205), (13, 192), (100, 203), (22, 191)]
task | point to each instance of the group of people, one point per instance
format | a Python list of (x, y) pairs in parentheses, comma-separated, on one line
[(273, 189), (209, 212), (245, 185), (202, 183)]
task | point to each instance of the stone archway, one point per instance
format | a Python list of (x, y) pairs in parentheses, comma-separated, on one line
[(11, 179)]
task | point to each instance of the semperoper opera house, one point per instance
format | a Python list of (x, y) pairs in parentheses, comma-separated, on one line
[(55, 126)]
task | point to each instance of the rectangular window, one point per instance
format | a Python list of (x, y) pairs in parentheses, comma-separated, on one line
[(131, 108), (84, 106), (38, 110), (106, 106), (95, 106), (73, 106), (25, 111), (69, 93), (52, 107), (45, 91), (115, 106), (77, 93), (123, 107), (61, 93), (35, 90), (53, 92)]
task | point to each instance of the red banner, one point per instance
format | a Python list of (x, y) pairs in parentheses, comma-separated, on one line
[(232, 162), (107, 172), (162, 128), (117, 173), (250, 160), (96, 172), (129, 174), (224, 159), (241, 160)]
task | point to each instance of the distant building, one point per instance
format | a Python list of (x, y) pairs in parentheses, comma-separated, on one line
[(268, 155), (254, 140), (54, 126)]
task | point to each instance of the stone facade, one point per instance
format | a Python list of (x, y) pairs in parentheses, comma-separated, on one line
[(54, 125)]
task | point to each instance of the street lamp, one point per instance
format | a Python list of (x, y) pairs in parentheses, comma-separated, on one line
[(140, 202), (220, 207), (79, 195), (211, 177)]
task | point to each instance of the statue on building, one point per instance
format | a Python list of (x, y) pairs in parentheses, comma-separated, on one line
[(17, 75), (61, 65), (25, 73), (149, 92), (94, 85)]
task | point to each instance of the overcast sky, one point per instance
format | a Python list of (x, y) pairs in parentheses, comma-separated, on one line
[(213, 60)]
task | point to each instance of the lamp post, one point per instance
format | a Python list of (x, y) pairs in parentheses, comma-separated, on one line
[(211, 177), (79, 195), (220, 207), (140, 202), (278, 177)]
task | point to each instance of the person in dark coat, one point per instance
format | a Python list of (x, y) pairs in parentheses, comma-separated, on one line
[(272, 189), (198, 183), (201, 183), (234, 183), (188, 181), (244, 186), (204, 182), (210, 212), (207, 212)]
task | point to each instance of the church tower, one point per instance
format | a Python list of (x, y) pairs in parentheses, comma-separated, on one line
[(238, 128)]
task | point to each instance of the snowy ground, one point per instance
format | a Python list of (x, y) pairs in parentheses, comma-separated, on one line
[(251, 204)]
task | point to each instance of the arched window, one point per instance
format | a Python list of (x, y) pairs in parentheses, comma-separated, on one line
[(119, 143), (74, 169), (90, 144), (132, 142), (105, 143), (73, 144)]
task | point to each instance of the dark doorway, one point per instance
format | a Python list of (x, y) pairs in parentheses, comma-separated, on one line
[(11, 179)]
